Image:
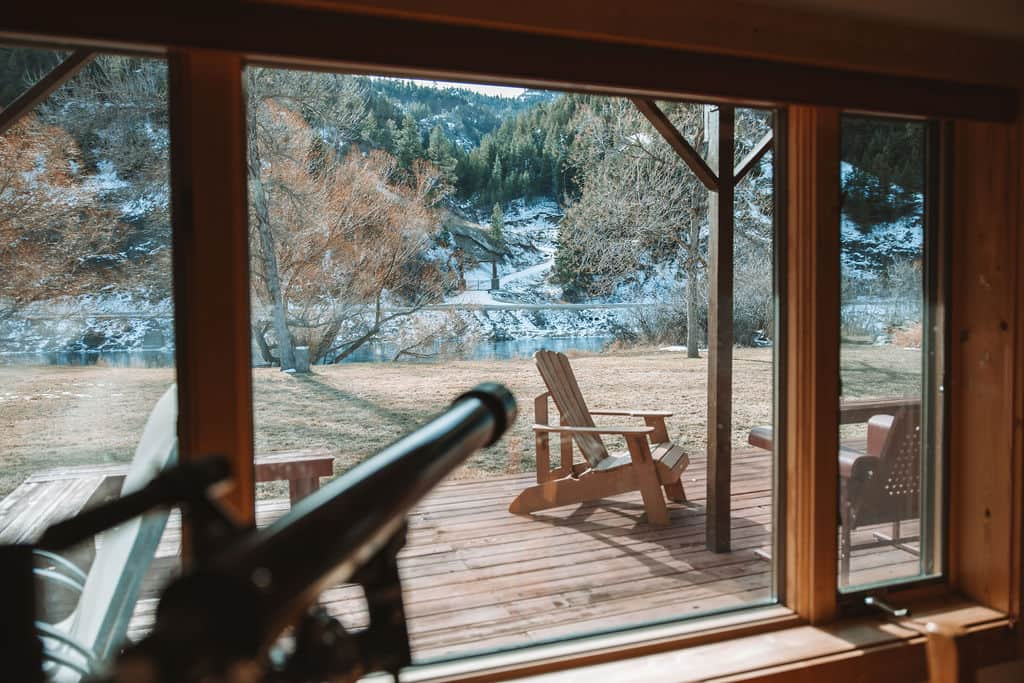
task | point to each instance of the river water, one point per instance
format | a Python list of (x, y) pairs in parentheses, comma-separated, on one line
[(369, 353)]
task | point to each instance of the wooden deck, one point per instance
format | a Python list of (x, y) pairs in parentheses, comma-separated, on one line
[(477, 577)]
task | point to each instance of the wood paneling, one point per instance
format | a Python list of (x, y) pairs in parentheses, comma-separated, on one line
[(209, 209), (733, 28), (394, 45), (985, 319), (1017, 513), (812, 361)]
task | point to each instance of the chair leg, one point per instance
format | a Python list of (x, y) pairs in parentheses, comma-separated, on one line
[(647, 480), (675, 492), (654, 503), (897, 540), (845, 547)]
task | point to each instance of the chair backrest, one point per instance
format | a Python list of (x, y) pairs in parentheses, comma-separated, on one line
[(125, 552), (558, 377), (894, 490)]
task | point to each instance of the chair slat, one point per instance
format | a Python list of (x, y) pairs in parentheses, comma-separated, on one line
[(558, 376)]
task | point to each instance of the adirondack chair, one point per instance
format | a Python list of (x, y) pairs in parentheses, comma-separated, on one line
[(652, 461)]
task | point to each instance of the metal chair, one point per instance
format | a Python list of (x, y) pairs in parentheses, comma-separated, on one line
[(75, 647)]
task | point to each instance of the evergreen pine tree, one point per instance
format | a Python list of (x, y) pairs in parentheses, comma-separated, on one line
[(496, 185), (408, 145), (441, 153), (498, 225)]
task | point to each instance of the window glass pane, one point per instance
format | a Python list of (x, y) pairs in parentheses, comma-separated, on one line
[(887, 334), (86, 321), (412, 239)]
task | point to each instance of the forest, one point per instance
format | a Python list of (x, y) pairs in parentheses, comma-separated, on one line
[(355, 183)]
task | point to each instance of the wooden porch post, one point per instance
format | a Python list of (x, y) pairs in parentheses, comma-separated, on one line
[(721, 148), (209, 205)]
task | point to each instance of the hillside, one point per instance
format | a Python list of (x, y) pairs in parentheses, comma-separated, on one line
[(529, 162)]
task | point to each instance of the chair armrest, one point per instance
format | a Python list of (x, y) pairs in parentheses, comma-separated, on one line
[(622, 431), (632, 413), (762, 436), (854, 464)]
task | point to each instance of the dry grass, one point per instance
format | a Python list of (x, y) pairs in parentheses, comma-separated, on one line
[(54, 416)]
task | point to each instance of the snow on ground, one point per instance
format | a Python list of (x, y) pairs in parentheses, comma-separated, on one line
[(472, 297), (531, 236)]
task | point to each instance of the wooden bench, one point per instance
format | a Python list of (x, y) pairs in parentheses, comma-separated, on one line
[(301, 469), (49, 496)]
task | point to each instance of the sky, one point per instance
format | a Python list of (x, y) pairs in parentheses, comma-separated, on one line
[(495, 90)]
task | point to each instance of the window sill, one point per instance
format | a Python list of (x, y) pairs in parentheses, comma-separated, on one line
[(764, 644)]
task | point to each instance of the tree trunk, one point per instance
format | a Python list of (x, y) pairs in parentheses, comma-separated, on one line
[(260, 332), (692, 300), (279, 315)]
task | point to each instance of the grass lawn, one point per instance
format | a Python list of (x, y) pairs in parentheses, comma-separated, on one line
[(53, 416)]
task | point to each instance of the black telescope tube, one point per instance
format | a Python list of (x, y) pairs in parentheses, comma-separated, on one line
[(332, 532)]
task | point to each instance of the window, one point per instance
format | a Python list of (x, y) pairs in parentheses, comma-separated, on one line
[(890, 364), (87, 333), (987, 206), (410, 239)]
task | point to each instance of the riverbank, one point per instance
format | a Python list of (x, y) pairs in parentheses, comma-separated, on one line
[(62, 416)]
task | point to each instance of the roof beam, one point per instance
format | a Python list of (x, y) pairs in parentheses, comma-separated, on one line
[(754, 156), (41, 90), (674, 138)]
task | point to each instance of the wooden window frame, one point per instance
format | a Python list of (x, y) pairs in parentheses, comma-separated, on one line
[(986, 405)]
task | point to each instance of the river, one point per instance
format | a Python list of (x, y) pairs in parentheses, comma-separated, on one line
[(374, 352)]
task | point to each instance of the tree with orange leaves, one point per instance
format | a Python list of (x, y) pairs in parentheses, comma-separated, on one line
[(56, 239), (337, 237)]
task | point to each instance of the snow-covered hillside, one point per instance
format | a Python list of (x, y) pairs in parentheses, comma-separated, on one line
[(531, 235), (864, 253)]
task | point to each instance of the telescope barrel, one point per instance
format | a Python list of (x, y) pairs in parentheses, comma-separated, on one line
[(329, 535)]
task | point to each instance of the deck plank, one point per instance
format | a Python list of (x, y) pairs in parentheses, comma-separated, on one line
[(476, 576)]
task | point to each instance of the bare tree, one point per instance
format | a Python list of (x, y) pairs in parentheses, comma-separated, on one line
[(116, 108), (639, 205), (434, 334), (338, 236), (641, 209), (56, 238)]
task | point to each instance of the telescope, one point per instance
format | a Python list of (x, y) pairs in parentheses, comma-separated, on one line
[(224, 618)]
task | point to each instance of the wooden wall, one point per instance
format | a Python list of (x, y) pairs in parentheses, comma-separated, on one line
[(812, 360), (763, 30), (986, 355)]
